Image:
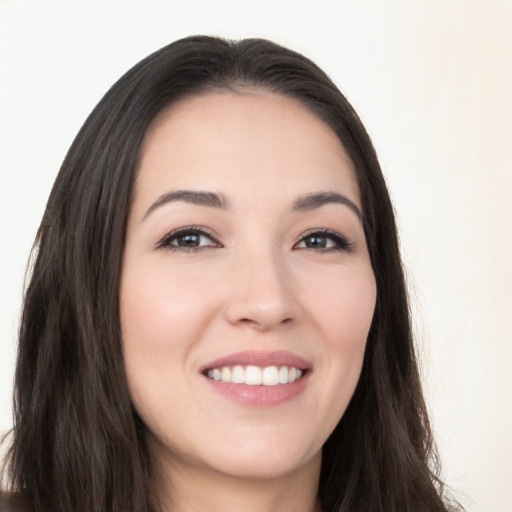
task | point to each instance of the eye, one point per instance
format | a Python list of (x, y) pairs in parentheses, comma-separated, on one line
[(188, 239), (324, 240)]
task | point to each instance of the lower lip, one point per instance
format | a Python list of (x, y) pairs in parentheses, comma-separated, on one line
[(259, 396)]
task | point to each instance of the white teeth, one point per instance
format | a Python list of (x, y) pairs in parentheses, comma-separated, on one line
[(238, 375), (270, 376), (253, 376), (225, 375), (256, 376)]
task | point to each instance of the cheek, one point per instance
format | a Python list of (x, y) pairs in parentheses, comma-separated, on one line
[(160, 307), (163, 316), (343, 315), (344, 305)]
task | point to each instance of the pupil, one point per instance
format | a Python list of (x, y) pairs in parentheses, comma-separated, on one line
[(191, 240), (316, 241)]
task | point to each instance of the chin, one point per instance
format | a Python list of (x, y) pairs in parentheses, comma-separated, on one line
[(263, 467), (264, 459), (256, 459)]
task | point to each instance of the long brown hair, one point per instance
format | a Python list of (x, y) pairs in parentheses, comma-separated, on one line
[(77, 443)]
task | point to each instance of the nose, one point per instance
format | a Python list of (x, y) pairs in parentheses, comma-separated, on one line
[(262, 293)]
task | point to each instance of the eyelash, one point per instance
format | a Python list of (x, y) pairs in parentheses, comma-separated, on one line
[(341, 243), (166, 242)]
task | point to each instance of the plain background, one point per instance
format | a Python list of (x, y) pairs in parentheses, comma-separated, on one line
[(432, 81)]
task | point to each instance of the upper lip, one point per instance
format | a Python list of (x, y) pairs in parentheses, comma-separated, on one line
[(259, 358)]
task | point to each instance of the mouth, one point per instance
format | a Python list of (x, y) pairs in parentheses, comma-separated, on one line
[(256, 376)]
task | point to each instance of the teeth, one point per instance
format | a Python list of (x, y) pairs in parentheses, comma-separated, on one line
[(225, 375), (256, 376), (253, 376), (270, 376), (238, 375)]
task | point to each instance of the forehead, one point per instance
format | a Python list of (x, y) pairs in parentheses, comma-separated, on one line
[(252, 140)]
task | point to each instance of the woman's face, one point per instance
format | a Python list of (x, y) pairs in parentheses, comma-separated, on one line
[(245, 261)]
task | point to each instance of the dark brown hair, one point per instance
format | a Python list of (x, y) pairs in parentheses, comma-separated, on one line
[(77, 443)]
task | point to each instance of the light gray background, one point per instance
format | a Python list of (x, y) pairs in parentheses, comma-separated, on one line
[(431, 80)]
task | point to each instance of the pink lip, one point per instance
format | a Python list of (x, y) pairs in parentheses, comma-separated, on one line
[(259, 396), (258, 358)]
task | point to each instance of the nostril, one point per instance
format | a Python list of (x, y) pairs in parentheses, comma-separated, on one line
[(247, 321), (261, 311), (254, 322)]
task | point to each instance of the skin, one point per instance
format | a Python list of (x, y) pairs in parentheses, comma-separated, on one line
[(257, 283)]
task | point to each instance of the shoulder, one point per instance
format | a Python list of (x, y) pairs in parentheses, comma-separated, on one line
[(13, 502)]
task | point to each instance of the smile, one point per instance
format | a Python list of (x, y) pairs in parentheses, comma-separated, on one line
[(255, 376)]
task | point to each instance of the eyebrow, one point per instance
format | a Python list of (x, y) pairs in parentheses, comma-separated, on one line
[(217, 200), (317, 200), (200, 198)]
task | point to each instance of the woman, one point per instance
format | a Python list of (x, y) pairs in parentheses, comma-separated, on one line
[(217, 317)]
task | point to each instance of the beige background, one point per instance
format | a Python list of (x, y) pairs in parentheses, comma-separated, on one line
[(431, 79)]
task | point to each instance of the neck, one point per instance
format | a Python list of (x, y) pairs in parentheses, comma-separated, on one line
[(193, 489)]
